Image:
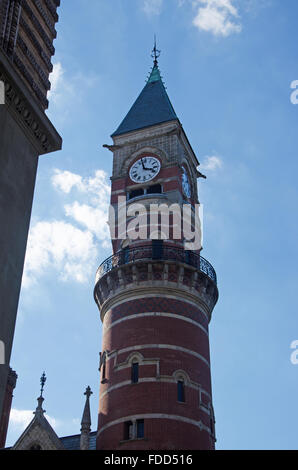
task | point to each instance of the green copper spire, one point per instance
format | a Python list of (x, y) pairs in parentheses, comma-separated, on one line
[(155, 75), (152, 105)]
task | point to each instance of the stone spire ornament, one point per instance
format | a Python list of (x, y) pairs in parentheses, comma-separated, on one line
[(39, 410), (86, 422)]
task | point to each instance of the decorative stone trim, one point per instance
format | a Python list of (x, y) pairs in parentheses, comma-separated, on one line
[(165, 379), (35, 123), (155, 314), (24, 72), (142, 151), (9, 28), (140, 359), (39, 28), (140, 347), (154, 292), (35, 65), (52, 9), (36, 44), (108, 290), (183, 419), (45, 17)]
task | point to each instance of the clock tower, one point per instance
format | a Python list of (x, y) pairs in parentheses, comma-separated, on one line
[(155, 295)]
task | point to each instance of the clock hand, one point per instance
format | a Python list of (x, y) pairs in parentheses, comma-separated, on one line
[(144, 166)]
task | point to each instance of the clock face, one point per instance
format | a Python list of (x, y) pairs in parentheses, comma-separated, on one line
[(185, 184), (144, 169)]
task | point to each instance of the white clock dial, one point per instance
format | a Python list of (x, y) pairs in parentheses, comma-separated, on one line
[(144, 169), (185, 184)]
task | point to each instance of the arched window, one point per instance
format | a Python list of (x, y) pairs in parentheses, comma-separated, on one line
[(35, 447), (103, 360), (134, 372), (180, 391), (182, 379)]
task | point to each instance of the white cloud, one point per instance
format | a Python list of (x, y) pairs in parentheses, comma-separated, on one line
[(97, 186), (64, 247), (20, 419), (67, 90), (65, 181), (211, 163), (60, 246), (94, 219), (93, 213), (219, 17), (152, 7), (56, 77)]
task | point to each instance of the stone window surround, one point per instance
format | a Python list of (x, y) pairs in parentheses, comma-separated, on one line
[(134, 437)]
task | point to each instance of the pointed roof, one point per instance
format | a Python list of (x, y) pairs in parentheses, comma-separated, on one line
[(39, 431), (86, 418), (152, 106)]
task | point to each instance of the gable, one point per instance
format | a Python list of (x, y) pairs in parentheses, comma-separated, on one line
[(39, 435)]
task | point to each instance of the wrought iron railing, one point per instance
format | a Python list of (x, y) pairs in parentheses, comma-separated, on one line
[(156, 252)]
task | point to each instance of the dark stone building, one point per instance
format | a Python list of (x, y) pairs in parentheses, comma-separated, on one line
[(27, 32)]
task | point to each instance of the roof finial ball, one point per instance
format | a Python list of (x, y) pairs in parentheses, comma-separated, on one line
[(155, 52)]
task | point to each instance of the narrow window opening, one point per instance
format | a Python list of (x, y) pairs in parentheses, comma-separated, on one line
[(180, 390), (135, 372), (211, 427), (102, 366), (136, 193), (125, 255), (128, 430), (155, 189), (157, 249), (140, 428)]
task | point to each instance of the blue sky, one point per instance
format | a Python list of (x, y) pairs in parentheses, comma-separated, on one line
[(228, 66)]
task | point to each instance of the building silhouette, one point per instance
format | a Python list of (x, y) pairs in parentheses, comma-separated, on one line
[(27, 32)]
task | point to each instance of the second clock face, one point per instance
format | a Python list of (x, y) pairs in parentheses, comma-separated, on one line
[(144, 169), (185, 184)]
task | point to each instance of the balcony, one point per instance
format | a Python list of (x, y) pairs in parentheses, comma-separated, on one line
[(156, 252)]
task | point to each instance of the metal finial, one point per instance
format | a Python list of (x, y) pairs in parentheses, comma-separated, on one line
[(88, 392), (155, 52), (43, 380)]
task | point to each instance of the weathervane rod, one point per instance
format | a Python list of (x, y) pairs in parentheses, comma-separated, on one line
[(155, 52)]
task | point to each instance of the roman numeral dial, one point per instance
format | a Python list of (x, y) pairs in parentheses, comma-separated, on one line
[(144, 169)]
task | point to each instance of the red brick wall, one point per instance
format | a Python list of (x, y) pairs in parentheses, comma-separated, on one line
[(157, 396)]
